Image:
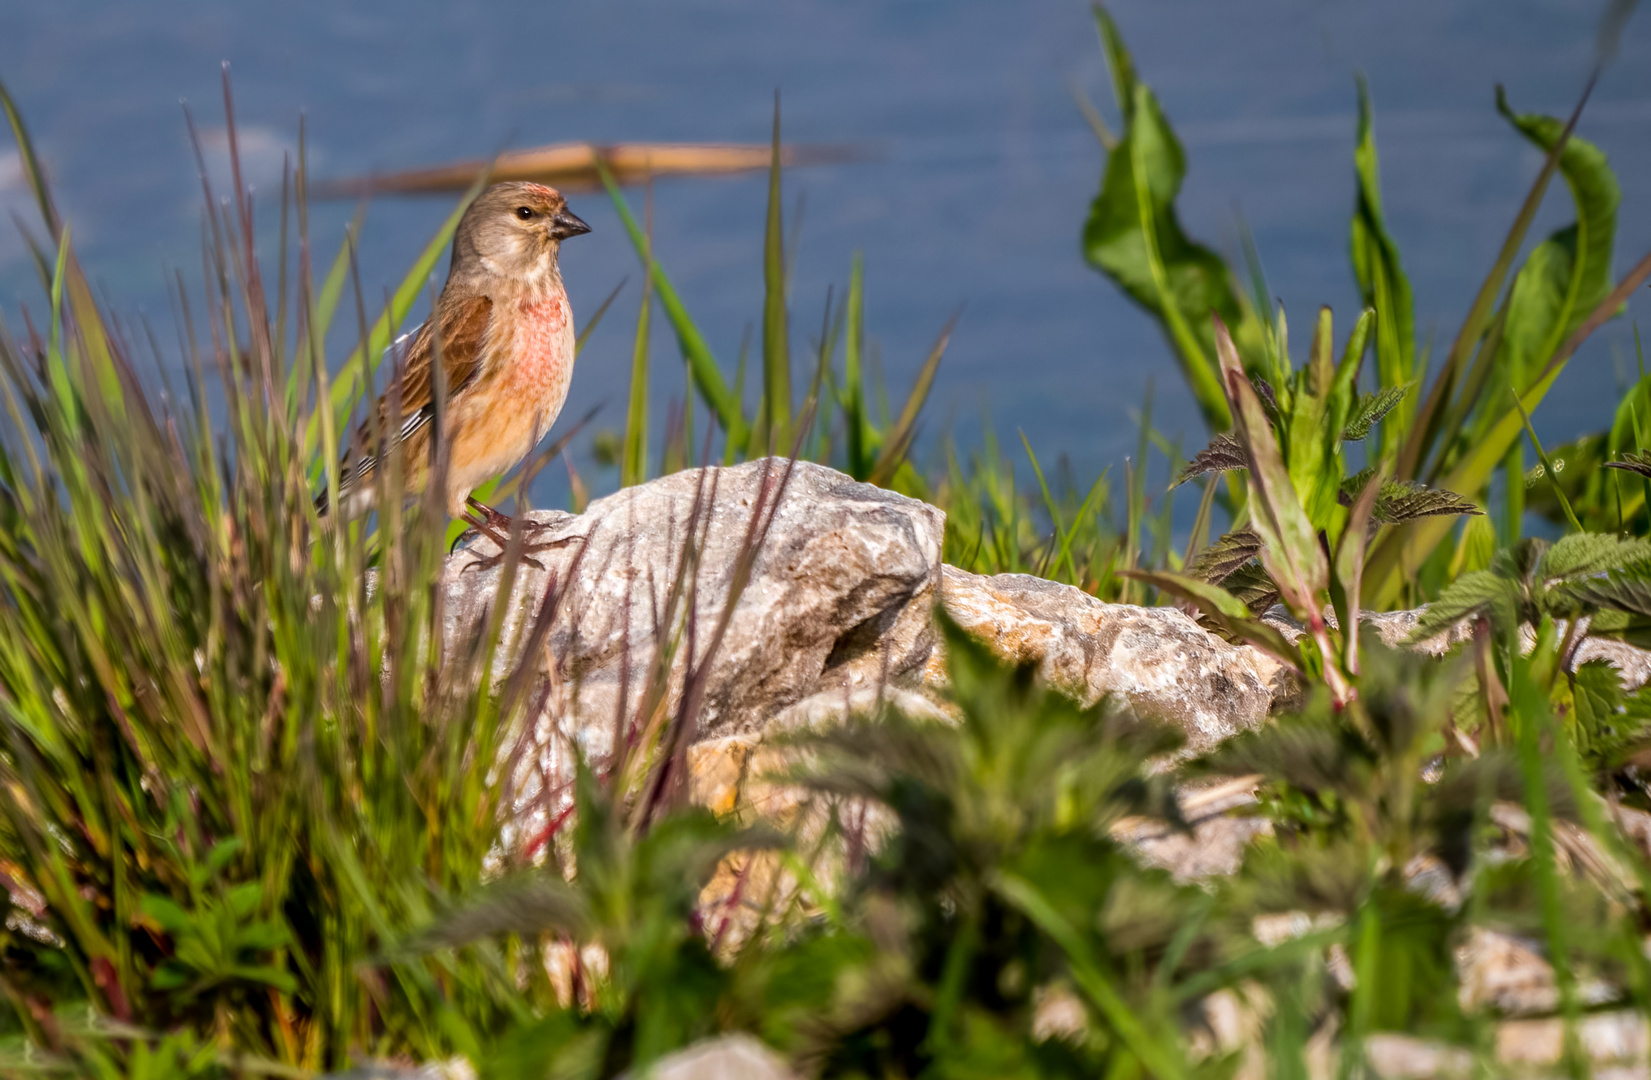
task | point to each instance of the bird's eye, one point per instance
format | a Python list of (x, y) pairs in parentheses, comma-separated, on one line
[(524, 212)]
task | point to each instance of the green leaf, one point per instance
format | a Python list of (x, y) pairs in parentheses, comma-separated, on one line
[(1596, 694), (1218, 561), (776, 349), (1381, 277), (1470, 594), (1369, 410), (1582, 554), (1223, 454), (1290, 547), (1401, 500), (1568, 274), (167, 912), (1134, 237)]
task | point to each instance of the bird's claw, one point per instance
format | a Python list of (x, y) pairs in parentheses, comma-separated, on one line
[(488, 562)]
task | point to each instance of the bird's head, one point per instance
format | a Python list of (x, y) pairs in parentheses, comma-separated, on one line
[(514, 230)]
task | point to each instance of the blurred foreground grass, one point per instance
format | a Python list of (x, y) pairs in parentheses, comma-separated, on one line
[(249, 807)]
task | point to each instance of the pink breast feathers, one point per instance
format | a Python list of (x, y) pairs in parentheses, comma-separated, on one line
[(543, 346)]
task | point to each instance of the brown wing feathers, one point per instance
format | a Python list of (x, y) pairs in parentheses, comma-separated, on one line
[(463, 326)]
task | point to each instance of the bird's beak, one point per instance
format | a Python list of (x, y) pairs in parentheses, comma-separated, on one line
[(564, 225)]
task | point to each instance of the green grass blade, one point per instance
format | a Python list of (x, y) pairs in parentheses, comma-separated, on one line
[(702, 366), (854, 377), (897, 441), (1382, 281), (776, 344), (633, 463)]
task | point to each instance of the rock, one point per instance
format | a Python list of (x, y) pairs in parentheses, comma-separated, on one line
[(1510, 975), (838, 597), (1157, 660), (731, 1057), (1215, 839)]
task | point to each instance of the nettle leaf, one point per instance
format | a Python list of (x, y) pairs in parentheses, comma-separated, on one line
[(1632, 462), (1594, 553), (1401, 501), (1596, 694), (1369, 410), (1269, 397), (1405, 500), (1251, 584), (1618, 590), (1217, 562), (1223, 454), (1469, 595)]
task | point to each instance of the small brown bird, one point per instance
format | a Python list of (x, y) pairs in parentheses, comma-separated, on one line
[(503, 330)]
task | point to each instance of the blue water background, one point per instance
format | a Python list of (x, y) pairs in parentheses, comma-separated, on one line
[(975, 196)]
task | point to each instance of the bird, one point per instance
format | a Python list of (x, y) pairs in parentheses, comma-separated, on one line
[(502, 331)]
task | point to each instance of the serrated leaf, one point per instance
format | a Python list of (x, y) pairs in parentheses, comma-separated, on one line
[(1468, 595), (1251, 584), (1218, 561), (1269, 397), (527, 904), (1223, 454), (1369, 410), (1596, 693), (1618, 590), (1632, 462), (1401, 500), (1592, 553)]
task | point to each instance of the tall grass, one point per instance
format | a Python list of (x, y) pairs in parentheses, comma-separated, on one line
[(251, 793), (237, 763)]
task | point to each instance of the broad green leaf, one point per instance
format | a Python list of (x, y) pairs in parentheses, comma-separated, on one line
[(1470, 594), (1594, 192), (1568, 274), (1134, 237), (1313, 450)]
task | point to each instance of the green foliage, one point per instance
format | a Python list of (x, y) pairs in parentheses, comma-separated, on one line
[(1452, 433), (1134, 237), (252, 818)]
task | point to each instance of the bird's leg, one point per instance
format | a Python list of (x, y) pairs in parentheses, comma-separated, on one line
[(499, 522), (487, 529), (496, 527), (503, 523)]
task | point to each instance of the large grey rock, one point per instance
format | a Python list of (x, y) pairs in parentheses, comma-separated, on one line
[(838, 597), (730, 1057), (1157, 660)]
